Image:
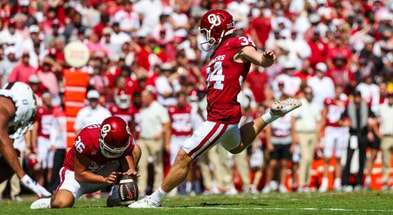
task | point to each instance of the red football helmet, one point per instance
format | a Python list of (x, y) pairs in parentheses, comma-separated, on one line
[(115, 137), (216, 24), (123, 99)]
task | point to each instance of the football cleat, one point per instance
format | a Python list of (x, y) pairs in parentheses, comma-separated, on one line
[(283, 107), (146, 202), (41, 204)]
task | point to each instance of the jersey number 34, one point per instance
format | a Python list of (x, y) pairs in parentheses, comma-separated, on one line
[(216, 76)]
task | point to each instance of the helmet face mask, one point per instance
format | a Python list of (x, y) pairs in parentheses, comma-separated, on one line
[(216, 24), (123, 101), (115, 137), (109, 152)]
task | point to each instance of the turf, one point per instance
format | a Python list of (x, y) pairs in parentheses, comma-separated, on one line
[(365, 202)]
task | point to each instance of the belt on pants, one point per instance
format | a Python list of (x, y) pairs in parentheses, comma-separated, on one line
[(306, 132)]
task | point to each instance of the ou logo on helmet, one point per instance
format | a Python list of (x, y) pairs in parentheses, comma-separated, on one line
[(214, 19), (104, 130)]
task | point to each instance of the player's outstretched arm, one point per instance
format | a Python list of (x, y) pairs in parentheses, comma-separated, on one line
[(250, 54), (8, 152)]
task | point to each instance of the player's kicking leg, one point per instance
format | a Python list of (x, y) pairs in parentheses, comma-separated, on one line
[(250, 130)]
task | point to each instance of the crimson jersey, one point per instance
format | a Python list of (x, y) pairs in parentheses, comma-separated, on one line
[(44, 118), (334, 111), (86, 143), (181, 120), (126, 115), (224, 80)]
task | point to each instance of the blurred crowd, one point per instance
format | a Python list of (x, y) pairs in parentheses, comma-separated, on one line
[(147, 66)]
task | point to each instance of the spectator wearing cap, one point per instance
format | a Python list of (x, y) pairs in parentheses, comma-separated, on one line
[(93, 113), (356, 116), (7, 64), (106, 42), (22, 71), (28, 45), (37, 88), (128, 19), (385, 114), (322, 85)]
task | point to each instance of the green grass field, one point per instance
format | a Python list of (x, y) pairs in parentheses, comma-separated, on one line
[(365, 202)]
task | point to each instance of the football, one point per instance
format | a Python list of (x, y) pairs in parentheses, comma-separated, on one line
[(124, 192), (128, 189)]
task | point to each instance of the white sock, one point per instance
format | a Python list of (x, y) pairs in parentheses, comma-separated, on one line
[(325, 181), (188, 187), (158, 195), (337, 182), (269, 117)]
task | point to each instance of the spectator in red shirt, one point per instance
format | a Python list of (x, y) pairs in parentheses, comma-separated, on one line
[(319, 49), (257, 81), (340, 48), (342, 75), (260, 28), (23, 71)]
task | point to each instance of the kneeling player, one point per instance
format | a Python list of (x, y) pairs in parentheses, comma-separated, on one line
[(93, 162)]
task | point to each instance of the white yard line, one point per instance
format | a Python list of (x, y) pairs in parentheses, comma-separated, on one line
[(286, 209)]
